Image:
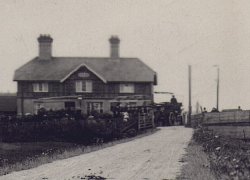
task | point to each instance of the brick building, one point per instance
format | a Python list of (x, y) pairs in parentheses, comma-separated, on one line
[(86, 83)]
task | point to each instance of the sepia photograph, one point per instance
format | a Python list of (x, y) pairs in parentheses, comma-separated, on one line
[(125, 89)]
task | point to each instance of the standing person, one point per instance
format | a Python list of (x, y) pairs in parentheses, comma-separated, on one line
[(173, 100), (204, 111)]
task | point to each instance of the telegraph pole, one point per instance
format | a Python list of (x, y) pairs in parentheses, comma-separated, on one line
[(22, 99), (218, 83), (217, 88), (189, 95)]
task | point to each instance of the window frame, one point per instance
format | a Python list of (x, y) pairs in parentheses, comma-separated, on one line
[(88, 89), (122, 90), (39, 87)]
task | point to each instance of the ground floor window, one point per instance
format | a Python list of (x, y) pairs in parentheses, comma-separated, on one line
[(94, 107)]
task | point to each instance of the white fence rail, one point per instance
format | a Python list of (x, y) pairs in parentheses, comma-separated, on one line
[(234, 124)]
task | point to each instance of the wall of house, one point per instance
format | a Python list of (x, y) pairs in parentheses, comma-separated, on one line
[(52, 104), (28, 106), (25, 89), (69, 84), (102, 92)]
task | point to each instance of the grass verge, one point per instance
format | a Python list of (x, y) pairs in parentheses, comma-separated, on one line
[(229, 157), (212, 156), (196, 164), (21, 156)]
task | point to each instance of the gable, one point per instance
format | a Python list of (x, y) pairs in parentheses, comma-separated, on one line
[(83, 72)]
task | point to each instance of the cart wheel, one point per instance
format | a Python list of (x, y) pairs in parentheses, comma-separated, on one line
[(172, 119), (179, 120)]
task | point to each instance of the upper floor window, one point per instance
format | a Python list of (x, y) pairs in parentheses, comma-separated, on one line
[(127, 88), (83, 74), (40, 87), (83, 86)]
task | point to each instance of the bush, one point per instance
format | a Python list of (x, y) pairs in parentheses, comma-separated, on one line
[(230, 158), (47, 130)]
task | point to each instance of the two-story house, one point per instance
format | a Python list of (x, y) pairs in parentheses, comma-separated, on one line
[(86, 83)]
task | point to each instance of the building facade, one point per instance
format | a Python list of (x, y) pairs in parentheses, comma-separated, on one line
[(84, 83)]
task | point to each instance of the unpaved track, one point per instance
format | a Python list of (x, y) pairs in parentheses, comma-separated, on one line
[(153, 157)]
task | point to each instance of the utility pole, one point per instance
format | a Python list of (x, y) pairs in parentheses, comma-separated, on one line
[(217, 88), (189, 96), (218, 83), (22, 99)]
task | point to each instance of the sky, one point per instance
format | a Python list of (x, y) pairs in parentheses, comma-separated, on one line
[(168, 35)]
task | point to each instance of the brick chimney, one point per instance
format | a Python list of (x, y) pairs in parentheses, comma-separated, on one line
[(45, 47), (114, 46)]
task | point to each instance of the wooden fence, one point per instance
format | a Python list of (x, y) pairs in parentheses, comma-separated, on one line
[(234, 124)]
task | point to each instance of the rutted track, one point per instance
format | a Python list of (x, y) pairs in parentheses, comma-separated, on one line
[(151, 157)]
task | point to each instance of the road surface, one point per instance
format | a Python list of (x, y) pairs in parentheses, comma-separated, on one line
[(153, 157)]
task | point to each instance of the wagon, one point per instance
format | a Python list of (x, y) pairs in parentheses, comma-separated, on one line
[(168, 114)]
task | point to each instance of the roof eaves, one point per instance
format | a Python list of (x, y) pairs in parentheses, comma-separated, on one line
[(145, 65), (14, 77)]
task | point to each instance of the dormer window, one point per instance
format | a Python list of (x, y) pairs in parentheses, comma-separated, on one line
[(127, 88), (84, 86), (40, 87)]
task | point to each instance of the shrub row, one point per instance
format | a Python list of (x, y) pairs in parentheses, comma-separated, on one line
[(50, 130), (229, 158)]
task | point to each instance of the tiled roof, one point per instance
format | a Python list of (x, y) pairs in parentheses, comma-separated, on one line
[(111, 70)]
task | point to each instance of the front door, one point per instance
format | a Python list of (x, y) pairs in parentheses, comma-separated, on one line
[(94, 106)]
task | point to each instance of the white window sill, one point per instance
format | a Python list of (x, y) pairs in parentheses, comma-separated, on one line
[(84, 92), (40, 91)]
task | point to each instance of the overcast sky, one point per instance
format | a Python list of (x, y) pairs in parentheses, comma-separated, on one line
[(165, 34)]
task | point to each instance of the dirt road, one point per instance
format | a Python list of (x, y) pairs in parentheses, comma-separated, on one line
[(153, 157)]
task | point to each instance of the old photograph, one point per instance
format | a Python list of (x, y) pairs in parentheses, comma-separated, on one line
[(125, 89)]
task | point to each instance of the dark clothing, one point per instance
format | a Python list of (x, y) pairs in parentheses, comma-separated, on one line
[(173, 100)]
